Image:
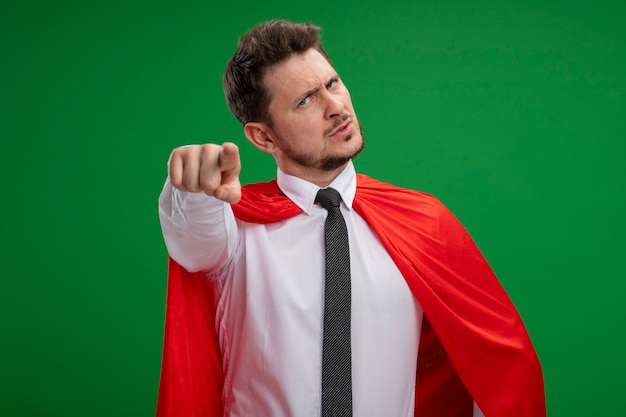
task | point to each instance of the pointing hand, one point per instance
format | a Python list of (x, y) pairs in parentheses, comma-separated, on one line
[(209, 168)]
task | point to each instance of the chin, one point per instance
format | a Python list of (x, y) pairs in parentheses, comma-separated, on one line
[(333, 162)]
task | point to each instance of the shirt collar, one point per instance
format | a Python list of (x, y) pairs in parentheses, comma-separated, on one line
[(303, 193)]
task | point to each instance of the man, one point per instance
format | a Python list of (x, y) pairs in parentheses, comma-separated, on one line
[(430, 330)]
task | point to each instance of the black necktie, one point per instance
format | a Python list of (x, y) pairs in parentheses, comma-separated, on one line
[(336, 351)]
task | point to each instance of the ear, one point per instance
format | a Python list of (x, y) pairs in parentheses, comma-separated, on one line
[(261, 136)]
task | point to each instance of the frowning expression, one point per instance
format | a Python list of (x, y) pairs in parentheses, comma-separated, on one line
[(313, 123)]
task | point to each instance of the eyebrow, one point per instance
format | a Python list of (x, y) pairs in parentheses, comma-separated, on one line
[(314, 90), (307, 94)]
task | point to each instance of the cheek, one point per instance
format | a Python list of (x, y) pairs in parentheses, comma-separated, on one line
[(304, 129), (294, 135)]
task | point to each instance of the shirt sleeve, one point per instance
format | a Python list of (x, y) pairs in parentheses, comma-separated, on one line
[(200, 231)]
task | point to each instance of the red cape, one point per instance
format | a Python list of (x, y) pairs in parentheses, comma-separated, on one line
[(473, 344)]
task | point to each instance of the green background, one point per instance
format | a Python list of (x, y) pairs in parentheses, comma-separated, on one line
[(512, 113)]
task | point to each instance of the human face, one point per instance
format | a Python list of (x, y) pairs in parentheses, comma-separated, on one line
[(313, 123)]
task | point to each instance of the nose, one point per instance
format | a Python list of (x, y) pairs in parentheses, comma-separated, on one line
[(334, 105)]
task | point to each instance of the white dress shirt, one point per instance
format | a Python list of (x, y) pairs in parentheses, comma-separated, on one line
[(269, 282)]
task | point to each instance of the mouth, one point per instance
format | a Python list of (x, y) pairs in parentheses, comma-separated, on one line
[(343, 129)]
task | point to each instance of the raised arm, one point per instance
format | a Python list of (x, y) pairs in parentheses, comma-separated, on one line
[(198, 225)]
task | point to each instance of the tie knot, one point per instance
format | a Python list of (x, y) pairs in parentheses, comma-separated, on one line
[(328, 198)]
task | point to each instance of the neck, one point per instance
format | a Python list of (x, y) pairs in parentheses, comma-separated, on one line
[(319, 177)]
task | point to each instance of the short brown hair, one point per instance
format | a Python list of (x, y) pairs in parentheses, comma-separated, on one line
[(262, 47)]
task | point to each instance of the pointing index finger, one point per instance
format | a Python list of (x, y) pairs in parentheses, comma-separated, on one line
[(229, 158)]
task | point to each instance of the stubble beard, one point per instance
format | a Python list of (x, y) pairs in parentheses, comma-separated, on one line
[(327, 163), (332, 162)]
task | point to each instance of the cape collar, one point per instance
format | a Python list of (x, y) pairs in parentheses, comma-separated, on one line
[(303, 193)]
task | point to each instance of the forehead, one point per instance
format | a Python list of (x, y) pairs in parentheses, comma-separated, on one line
[(298, 74)]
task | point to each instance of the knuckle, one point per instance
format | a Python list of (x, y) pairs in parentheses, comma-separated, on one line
[(182, 152), (208, 150), (190, 185), (177, 183), (209, 183)]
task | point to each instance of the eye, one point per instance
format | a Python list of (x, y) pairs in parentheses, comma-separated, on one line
[(331, 83), (304, 101)]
